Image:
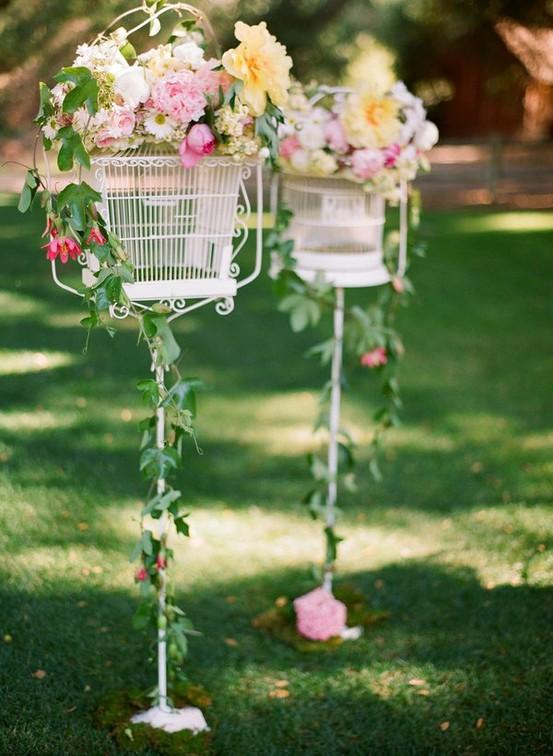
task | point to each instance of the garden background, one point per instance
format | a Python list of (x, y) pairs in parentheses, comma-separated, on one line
[(455, 542)]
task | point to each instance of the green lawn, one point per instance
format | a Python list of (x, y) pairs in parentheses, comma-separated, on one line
[(456, 542)]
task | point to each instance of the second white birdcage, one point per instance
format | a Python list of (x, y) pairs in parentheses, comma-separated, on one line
[(181, 227), (337, 229)]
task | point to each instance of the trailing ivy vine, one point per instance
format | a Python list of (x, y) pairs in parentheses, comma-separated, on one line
[(370, 339), (74, 228)]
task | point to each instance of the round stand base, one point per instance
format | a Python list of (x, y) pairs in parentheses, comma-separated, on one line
[(351, 633), (188, 718)]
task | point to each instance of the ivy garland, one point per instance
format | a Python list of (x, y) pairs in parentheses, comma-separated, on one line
[(370, 338)]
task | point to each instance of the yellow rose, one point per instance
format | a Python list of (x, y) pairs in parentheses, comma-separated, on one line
[(371, 120), (261, 63)]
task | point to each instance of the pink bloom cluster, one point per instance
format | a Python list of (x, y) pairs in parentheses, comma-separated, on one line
[(375, 358), (319, 616), (63, 247), (119, 124), (181, 95)]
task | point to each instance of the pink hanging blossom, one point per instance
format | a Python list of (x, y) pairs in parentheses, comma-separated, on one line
[(375, 358), (335, 136), (161, 562), (398, 284), (289, 146), (199, 142), (391, 155), (95, 236), (366, 163), (141, 575), (63, 247), (181, 96), (319, 616)]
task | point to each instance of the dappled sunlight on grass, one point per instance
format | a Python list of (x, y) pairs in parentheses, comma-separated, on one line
[(13, 362), (37, 420), (511, 222), (14, 304)]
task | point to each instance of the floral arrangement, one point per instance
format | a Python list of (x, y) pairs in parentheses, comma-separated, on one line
[(319, 616), (112, 98), (372, 138)]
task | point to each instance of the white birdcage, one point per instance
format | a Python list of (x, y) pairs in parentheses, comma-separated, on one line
[(181, 227), (337, 228)]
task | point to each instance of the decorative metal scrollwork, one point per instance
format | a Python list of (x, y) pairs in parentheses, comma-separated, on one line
[(225, 306)]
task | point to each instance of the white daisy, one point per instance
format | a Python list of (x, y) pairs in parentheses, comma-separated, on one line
[(159, 125)]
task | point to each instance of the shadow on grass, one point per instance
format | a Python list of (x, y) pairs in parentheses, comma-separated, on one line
[(472, 647)]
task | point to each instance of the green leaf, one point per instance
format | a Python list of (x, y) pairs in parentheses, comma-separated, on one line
[(149, 390), (158, 463), (147, 543), (77, 200), (332, 541), (28, 193), (75, 74), (72, 148), (318, 468), (182, 526), (183, 394), (85, 93), (45, 108)]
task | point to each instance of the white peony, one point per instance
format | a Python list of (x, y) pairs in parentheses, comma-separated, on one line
[(426, 137), (312, 136), (190, 53), (132, 86)]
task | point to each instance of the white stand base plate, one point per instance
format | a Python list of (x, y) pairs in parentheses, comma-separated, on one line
[(189, 718), (351, 633)]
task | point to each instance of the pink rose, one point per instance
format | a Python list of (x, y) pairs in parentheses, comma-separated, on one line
[(124, 121), (319, 616), (374, 358), (211, 80), (198, 142), (391, 155), (181, 96), (105, 138), (288, 146), (335, 136), (367, 163), (63, 247)]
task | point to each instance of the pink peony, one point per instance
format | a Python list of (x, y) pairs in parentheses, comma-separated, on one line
[(375, 358), (335, 136), (367, 163), (288, 146), (198, 142), (211, 80), (391, 155), (181, 96), (319, 616), (120, 124), (141, 575), (63, 247), (95, 236)]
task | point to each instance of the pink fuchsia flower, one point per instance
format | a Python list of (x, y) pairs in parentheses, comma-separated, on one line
[(161, 562), (366, 163), (95, 236), (180, 95), (335, 136), (288, 146), (391, 155), (398, 284), (141, 575), (319, 616), (199, 142), (63, 247), (375, 358)]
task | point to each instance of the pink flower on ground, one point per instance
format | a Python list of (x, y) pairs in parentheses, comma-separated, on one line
[(319, 616), (375, 358), (62, 247), (180, 95), (161, 562), (366, 163), (335, 136), (288, 146), (199, 141), (95, 236), (141, 575), (391, 155)]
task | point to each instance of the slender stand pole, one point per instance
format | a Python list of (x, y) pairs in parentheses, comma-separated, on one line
[(334, 425), (162, 535)]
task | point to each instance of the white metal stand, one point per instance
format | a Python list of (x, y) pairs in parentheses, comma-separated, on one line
[(334, 425)]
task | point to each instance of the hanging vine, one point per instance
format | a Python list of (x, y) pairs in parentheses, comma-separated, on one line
[(371, 339)]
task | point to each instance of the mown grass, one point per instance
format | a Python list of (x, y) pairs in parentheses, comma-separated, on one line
[(456, 541)]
